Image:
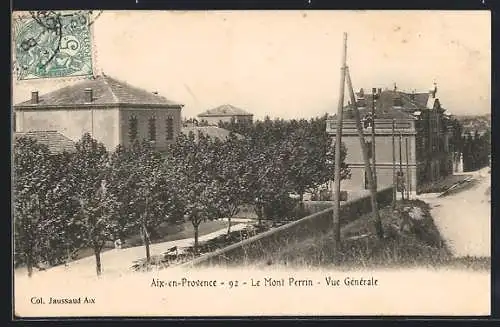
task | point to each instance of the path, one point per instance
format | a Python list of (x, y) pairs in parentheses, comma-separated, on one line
[(463, 218), (118, 262)]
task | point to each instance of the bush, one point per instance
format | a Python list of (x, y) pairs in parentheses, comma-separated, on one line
[(281, 208)]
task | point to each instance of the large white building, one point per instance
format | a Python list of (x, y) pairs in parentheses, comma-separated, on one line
[(421, 139), (112, 111)]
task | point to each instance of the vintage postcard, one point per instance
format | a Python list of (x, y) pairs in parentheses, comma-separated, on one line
[(184, 163)]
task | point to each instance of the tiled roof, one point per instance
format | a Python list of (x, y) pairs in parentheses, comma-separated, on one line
[(225, 110), (212, 131), (385, 108), (105, 90), (420, 98), (55, 141)]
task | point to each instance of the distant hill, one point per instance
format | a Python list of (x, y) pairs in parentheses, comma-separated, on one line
[(472, 123)]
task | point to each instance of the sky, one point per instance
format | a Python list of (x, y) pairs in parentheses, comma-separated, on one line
[(287, 63)]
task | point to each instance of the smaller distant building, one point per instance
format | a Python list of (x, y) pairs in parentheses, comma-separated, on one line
[(210, 131), (225, 113), (55, 141)]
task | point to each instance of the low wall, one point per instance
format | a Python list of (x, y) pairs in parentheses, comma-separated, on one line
[(256, 247)]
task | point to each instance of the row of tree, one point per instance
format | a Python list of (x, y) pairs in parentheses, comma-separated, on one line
[(69, 201), (476, 150)]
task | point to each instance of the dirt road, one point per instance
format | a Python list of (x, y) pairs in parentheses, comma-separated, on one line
[(117, 262), (463, 218)]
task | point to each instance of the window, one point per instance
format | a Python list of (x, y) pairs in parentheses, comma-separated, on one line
[(169, 135), (152, 129), (132, 129), (367, 182)]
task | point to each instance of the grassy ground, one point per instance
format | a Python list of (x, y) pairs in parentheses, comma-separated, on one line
[(462, 186), (417, 245), (444, 184)]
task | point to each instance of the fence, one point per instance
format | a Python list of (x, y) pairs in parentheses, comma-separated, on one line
[(317, 223)]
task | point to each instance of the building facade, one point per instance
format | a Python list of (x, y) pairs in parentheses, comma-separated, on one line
[(411, 138), (112, 111), (225, 113)]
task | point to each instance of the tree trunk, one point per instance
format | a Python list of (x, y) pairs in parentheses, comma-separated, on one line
[(196, 232), (229, 226), (97, 254), (145, 239), (145, 232), (301, 204), (29, 265), (259, 211)]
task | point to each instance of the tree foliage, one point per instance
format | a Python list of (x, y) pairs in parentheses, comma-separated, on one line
[(69, 201), (476, 150), (32, 180), (96, 222)]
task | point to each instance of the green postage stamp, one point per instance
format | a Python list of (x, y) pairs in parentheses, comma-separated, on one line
[(50, 44)]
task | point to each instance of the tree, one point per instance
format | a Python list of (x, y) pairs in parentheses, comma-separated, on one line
[(122, 184), (270, 186), (312, 156), (34, 217), (148, 198), (62, 234), (232, 175), (200, 193), (305, 151), (468, 152), (97, 221), (456, 141), (145, 187)]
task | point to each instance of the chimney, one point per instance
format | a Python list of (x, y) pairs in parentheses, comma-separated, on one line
[(34, 97), (379, 90), (88, 95)]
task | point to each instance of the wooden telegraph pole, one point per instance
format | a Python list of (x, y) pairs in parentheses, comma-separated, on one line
[(338, 140), (369, 173), (394, 179), (401, 166), (374, 92), (407, 170)]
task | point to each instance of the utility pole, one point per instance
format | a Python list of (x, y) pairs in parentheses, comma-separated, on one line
[(401, 165), (374, 95), (92, 121), (407, 169), (410, 186), (338, 140), (369, 173), (394, 179)]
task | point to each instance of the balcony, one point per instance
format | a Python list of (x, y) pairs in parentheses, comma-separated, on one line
[(382, 126)]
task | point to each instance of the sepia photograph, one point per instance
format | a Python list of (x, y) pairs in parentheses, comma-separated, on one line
[(185, 163)]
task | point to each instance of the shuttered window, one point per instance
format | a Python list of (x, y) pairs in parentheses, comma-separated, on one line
[(152, 129), (169, 133), (132, 129)]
